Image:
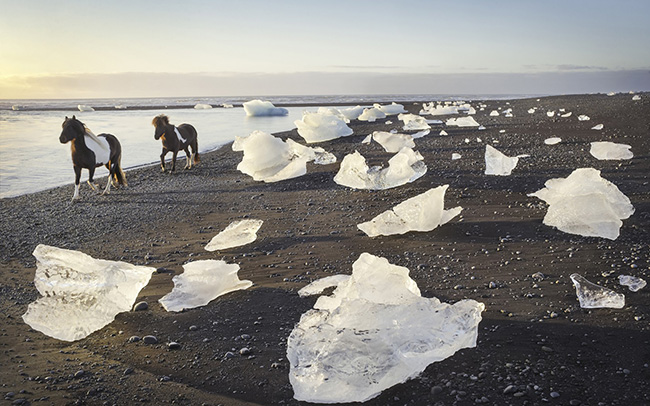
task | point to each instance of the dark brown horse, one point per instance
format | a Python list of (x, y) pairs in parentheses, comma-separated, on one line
[(90, 151), (176, 138)]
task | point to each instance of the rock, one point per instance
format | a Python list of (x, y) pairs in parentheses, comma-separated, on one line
[(555, 395), (436, 390), (509, 389), (140, 306), (134, 339), (245, 351), (128, 371), (79, 373), (150, 339), (173, 345)]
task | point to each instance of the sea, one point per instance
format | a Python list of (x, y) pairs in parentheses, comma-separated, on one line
[(32, 159)]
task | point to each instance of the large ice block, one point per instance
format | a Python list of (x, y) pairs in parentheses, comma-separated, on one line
[(391, 142), (592, 296), (255, 108), (497, 163), (413, 122), (404, 167), (323, 125)]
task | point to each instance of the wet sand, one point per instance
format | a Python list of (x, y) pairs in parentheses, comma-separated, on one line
[(535, 343)]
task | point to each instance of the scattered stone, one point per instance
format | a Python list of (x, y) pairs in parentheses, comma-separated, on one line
[(134, 339), (555, 395), (140, 306), (173, 345), (150, 339), (128, 371), (193, 328), (436, 390), (509, 389), (79, 373), (245, 351)]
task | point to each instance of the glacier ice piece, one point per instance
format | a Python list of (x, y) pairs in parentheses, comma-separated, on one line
[(532, 110), (367, 140), (439, 110), (585, 204), (583, 117), (606, 150), (393, 143), (323, 125), (371, 114), (352, 113), (455, 156), (552, 140), (632, 282), (319, 285), (592, 296), (373, 332), (420, 134), (81, 294), (494, 113), (413, 122), (83, 107), (258, 108), (497, 163), (390, 109), (462, 122), (423, 213), (443, 132), (202, 106), (550, 113), (566, 114), (237, 233), (200, 283), (598, 127), (269, 159), (636, 97), (404, 167)]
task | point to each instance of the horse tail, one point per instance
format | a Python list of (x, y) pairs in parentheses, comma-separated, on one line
[(195, 146)]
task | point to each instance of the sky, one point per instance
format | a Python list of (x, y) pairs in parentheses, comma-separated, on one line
[(200, 48)]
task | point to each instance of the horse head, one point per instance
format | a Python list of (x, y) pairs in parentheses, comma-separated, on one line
[(72, 128), (160, 122)]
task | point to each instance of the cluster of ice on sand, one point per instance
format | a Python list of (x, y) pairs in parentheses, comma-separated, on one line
[(497, 163), (269, 159), (255, 108), (390, 109), (323, 125), (585, 204), (237, 233), (423, 213), (83, 107), (592, 296), (81, 294), (552, 140), (202, 106), (404, 167), (632, 282), (462, 122), (371, 114), (373, 332), (447, 108), (200, 283), (606, 150), (413, 122), (393, 142), (352, 113)]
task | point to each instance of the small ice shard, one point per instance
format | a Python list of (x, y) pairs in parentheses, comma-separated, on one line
[(404, 167), (583, 117), (636, 97), (319, 285), (269, 159), (227, 105), (550, 113), (508, 114), (413, 122), (440, 110), (322, 126), (443, 132), (83, 107), (373, 332), (352, 113), (462, 122), (481, 127), (202, 106), (393, 143), (391, 109), (597, 127), (200, 283), (455, 156), (467, 140), (532, 110), (611, 93), (388, 122), (237, 233), (632, 282), (592, 296), (478, 139), (566, 114), (367, 140), (423, 213), (258, 108), (420, 134), (494, 113), (585, 204), (16, 107), (436, 122), (552, 140), (120, 107), (605, 150), (372, 114), (497, 163), (81, 294)]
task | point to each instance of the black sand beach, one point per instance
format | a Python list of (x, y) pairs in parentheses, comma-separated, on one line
[(535, 344)]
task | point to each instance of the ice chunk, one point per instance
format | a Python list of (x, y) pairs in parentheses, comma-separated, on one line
[(636, 97), (16, 107), (269, 159), (200, 283), (583, 117), (391, 109), (598, 127), (413, 122), (420, 134), (375, 331), (227, 105), (606, 150), (319, 285), (237, 233), (83, 107), (632, 282), (423, 212), (202, 106), (552, 141), (255, 108), (120, 107), (455, 156), (393, 143), (439, 110), (566, 114), (371, 114), (443, 132), (352, 113), (322, 126), (367, 140), (494, 113), (611, 93), (404, 167), (550, 113), (81, 294), (585, 204), (532, 110), (497, 163), (462, 122), (592, 296)]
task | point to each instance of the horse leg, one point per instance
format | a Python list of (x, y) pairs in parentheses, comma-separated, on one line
[(91, 181), (77, 177), (107, 189), (174, 160), (188, 159), (162, 158)]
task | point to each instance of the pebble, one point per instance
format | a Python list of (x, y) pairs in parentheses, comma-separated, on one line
[(140, 306), (509, 389), (193, 328), (229, 355), (173, 345), (245, 351), (150, 339), (436, 390), (547, 349), (492, 285), (555, 395), (79, 373), (128, 371), (574, 402), (134, 339)]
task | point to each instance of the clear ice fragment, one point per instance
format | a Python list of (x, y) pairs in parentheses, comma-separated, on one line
[(237, 233), (393, 143), (258, 108), (632, 282), (605, 150), (592, 296), (497, 163), (323, 125)]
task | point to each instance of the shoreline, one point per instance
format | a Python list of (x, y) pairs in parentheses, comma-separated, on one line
[(533, 337)]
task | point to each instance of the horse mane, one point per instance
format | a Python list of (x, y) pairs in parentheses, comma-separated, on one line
[(160, 120)]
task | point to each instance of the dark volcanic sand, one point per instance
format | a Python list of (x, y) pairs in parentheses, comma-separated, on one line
[(535, 342)]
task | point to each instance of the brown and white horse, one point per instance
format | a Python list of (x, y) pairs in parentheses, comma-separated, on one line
[(176, 138), (90, 151)]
